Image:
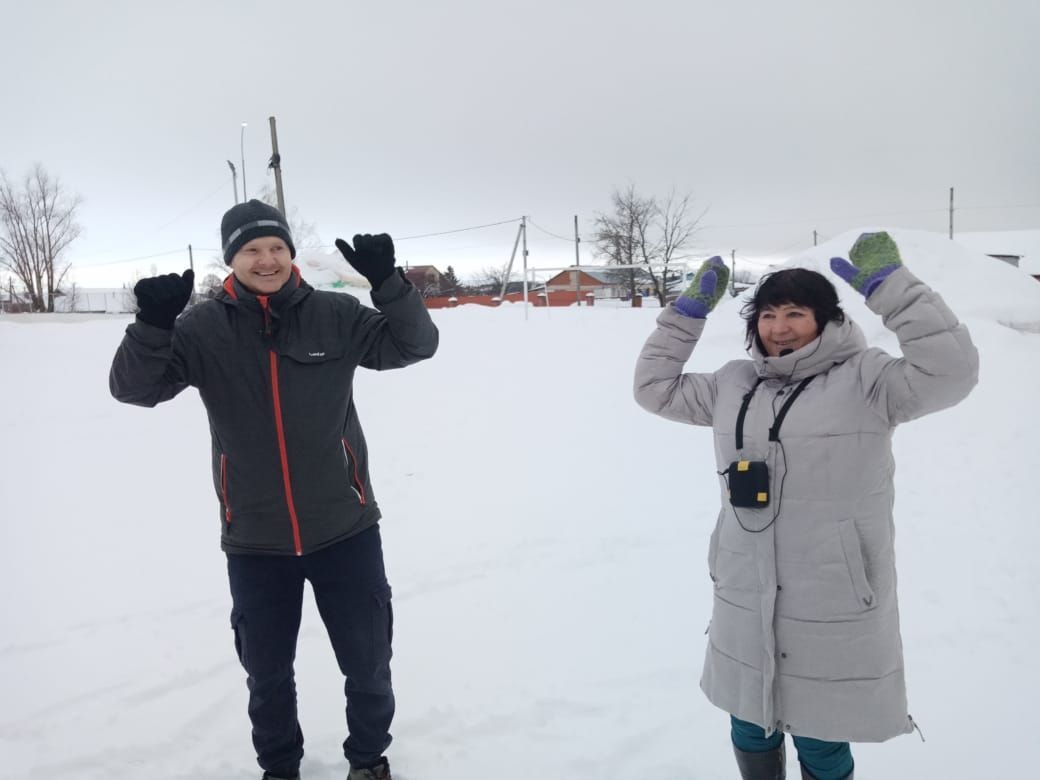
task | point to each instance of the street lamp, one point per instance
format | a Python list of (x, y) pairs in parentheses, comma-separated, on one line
[(242, 144), (234, 179)]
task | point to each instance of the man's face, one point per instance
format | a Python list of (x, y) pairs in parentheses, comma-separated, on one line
[(263, 265)]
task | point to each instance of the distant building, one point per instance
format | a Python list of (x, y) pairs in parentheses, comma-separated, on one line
[(588, 282), (100, 300), (1018, 248), (1009, 259), (11, 303), (426, 278)]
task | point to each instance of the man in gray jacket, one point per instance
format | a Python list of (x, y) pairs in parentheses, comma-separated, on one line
[(274, 361)]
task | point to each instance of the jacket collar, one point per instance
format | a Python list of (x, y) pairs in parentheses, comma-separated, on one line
[(290, 293), (836, 344)]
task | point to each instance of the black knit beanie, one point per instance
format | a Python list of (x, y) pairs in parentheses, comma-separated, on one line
[(246, 221)]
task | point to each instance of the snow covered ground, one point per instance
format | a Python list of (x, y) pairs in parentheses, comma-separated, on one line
[(546, 541)]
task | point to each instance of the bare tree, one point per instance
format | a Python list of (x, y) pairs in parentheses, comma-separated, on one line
[(72, 301), (743, 276), (676, 230), (491, 278), (643, 231), (211, 284), (37, 224), (304, 233), (618, 234)]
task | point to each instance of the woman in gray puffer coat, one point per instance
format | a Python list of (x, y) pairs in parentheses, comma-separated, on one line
[(804, 636)]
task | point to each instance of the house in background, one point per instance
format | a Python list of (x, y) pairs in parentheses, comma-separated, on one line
[(1020, 248), (12, 303), (426, 278), (98, 300), (588, 282), (1014, 260), (1030, 265)]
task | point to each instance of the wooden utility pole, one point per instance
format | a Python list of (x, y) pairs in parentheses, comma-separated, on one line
[(509, 268), (191, 259), (814, 238), (733, 274), (523, 239), (577, 264), (276, 165), (234, 179), (951, 213)]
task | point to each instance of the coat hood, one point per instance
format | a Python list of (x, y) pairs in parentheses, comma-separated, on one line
[(836, 344)]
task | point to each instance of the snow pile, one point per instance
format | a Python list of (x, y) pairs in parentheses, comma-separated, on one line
[(973, 284), (329, 271)]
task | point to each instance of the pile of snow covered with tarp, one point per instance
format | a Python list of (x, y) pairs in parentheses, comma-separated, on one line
[(330, 271)]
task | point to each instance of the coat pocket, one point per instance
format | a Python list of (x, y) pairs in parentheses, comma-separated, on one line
[(224, 492), (713, 549), (853, 549), (383, 628), (353, 472)]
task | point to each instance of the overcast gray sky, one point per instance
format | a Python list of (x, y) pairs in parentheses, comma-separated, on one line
[(419, 117)]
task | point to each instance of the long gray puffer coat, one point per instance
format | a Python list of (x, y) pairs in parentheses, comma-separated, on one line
[(804, 634)]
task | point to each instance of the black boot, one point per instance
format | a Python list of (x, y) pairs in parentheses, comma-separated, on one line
[(761, 766), (380, 771)]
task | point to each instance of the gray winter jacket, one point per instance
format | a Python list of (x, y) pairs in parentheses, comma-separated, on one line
[(289, 459), (804, 634)]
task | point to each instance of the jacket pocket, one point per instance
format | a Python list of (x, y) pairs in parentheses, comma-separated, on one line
[(853, 549), (353, 472), (224, 494), (713, 550), (384, 620)]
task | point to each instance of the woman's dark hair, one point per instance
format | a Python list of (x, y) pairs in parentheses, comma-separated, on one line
[(798, 286)]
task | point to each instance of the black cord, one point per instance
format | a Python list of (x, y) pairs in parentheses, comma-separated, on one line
[(775, 515), (783, 478)]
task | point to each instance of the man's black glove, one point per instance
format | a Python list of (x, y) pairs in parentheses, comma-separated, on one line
[(161, 298), (371, 256)]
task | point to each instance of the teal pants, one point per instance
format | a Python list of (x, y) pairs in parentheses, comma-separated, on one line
[(824, 760)]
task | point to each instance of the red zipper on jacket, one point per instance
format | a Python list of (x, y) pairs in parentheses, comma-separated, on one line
[(276, 394), (223, 488), (359, 486)]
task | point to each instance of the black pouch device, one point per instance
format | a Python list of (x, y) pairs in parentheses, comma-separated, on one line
[(748, 482)]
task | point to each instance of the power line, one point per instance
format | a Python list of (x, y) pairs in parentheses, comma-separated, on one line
[(459, 230), (136, 259), (190, 209), (549, 232), (869, 216), (1018, 206)]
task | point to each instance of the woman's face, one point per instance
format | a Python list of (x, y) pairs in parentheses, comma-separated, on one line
[(786, 327)]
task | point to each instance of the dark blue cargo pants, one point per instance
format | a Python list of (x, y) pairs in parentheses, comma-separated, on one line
[(353, 598)]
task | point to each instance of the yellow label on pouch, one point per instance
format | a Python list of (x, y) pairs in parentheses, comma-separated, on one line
[(743, 465), (763, 497)]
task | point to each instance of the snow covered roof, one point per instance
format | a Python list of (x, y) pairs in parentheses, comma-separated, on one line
[(1024, 244)]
